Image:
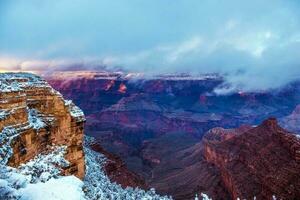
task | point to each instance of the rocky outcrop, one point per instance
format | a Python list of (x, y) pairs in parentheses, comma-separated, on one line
[(260, 162), (34, 117)]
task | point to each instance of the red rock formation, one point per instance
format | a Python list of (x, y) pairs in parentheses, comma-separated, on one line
[(185, 172), (261, 162), (33, 117), (122, 88)]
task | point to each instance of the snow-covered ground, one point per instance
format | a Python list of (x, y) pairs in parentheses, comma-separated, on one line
[(40, 179), (64, 188)]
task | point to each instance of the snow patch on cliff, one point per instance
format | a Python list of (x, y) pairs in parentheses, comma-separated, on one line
[(3, 114), (8, 133), (14, 82), (9, 87), (34, 120), (75, 111), (6, 137)]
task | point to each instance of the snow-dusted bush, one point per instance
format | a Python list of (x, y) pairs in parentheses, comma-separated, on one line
[(6, 136), (40, 179), (45, 166), (34, 120)]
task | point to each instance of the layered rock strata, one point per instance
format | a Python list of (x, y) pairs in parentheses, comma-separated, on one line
[(34, 117)]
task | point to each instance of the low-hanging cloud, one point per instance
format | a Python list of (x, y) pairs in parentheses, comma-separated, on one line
[(254, 44)]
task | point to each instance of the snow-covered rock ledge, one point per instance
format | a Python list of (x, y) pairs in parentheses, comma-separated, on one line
[(34, 116), (41, 178)]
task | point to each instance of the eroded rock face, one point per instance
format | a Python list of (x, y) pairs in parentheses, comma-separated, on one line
[(34, 117), (262, 162)]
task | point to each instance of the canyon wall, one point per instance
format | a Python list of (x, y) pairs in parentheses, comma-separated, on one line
[(259, 162), (33, 118), (156, 127)]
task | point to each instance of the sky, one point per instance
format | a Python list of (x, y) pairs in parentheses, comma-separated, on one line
[(254, 44)]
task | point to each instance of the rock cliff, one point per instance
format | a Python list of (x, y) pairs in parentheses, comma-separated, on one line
[(33, 118), (260, 162)]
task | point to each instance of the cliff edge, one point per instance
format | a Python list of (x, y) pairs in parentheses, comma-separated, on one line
[(33, 118)]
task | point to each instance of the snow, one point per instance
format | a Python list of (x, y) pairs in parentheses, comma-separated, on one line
[(10, 182), (205, 197), (34, 120), (14, 185), (9, 87), (40, 179), (13, 82), (6, 136), (3, 114), (75, 111), (45, 166), (64, 188)]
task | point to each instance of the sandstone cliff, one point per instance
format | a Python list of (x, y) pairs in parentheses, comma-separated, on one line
[(34, 117)]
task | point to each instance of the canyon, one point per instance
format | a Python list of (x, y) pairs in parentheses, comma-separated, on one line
[(165, 131), (170, 133)]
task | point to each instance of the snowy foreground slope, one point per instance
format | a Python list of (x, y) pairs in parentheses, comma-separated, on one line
[(40, 179)]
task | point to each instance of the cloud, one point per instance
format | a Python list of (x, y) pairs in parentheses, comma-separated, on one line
[(254, 44)]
